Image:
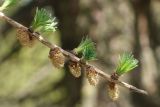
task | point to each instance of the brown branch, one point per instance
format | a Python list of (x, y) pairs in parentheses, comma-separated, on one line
[(70, 55)]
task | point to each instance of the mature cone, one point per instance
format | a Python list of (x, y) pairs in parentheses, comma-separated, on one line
[(24, 37), (92, 75), (113, 91), (75, 68), (57, 57)]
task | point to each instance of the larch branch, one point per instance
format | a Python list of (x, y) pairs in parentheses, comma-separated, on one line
[(71, 56)]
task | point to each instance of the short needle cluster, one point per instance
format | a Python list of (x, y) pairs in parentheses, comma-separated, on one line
[(87, 49), (127, 62), (7, 4), (43, 22)]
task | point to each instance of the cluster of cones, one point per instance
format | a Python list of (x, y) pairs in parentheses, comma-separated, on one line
[(58, 60)]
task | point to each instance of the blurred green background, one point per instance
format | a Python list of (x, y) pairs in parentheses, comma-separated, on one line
[(28, 79)]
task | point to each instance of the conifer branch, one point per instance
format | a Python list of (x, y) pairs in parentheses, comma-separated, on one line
[(71, 56)]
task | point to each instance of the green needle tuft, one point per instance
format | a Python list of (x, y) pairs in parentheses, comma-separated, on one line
[(86, 42), (87, 49), (89, 53), (126, 63), (8, 3), (43, 22)]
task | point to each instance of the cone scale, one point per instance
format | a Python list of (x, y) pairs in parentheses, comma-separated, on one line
[(75, 68), (112, 87), (92, 75), (24, 37), (113, 91), (57, 58)]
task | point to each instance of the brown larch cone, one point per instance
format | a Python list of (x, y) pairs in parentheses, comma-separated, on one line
[(57, 57), (113, 91), (75, 68), (92, 75), (24, 37)]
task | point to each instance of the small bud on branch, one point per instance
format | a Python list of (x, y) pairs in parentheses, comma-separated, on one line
[(24, 37), (92, 75), (75, 68), (57, 57), (113, 91)]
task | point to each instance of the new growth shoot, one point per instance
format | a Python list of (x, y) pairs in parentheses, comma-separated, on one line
[(87, 49), (8, 3), (127, 62), (43, 22)]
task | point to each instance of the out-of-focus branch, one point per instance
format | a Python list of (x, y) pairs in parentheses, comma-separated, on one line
[(71, 56)]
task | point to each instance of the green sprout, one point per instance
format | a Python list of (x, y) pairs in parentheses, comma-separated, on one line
[(126, 63), (8, 3), (43, 22), (87, 49), (86, 42), (89, 53)]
